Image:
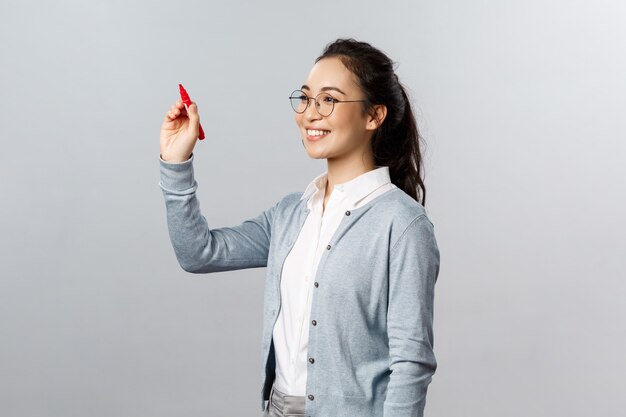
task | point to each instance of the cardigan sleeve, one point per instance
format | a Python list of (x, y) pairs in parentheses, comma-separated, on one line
[(199, 248), (413, 270)]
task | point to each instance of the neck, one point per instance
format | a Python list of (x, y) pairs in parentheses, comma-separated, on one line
[(344, 169)]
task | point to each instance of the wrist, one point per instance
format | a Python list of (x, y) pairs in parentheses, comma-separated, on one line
[(174, 160)]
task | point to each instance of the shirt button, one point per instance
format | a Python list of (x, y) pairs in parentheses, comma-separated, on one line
[(310, 396), (311, 360), (328, 247), (348, 213), (314, 323), (316, 285)]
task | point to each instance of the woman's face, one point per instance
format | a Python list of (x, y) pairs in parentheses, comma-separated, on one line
[(349, 130)]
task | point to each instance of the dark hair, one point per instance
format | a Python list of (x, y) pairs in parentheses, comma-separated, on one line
[(396, 142)]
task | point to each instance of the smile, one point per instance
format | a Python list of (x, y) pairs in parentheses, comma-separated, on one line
[(316, 134)]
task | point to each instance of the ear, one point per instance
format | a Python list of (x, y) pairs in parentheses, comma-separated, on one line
[(377, 117)]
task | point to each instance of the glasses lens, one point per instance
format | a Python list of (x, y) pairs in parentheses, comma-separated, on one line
[(325, 104), (298, 101)]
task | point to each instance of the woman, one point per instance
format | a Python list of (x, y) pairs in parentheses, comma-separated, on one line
[(351, 262)]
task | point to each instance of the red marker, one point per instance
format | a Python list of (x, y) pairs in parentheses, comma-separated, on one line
[(185, 97)]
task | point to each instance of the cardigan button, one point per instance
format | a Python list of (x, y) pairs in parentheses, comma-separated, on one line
[(328, 247), (311, 397), (311, 360), (348, 213), (314, 323)]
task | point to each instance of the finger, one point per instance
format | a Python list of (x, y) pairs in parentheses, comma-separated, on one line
[(187, 107), (193, 113), (175, 111)]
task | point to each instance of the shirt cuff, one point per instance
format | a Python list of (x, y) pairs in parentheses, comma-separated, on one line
[(176, 176)]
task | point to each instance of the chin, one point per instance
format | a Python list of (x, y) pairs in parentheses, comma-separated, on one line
[(318, 150), (315, 155)]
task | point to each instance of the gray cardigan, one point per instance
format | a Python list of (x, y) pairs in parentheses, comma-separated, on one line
[(371, 335)]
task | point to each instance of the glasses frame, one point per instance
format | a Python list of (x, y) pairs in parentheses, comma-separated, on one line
[(335, 101)]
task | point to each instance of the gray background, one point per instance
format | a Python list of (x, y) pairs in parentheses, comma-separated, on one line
[(521, 104)]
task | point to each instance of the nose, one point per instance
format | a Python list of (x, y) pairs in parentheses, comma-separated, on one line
[(311, 112)]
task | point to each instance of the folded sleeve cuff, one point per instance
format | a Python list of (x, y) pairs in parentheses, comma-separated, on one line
[(176, 176)]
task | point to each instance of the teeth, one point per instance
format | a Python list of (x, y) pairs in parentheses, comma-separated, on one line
[(317, 132)]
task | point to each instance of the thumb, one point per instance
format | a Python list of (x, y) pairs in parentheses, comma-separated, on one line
[(194, 118), (192, 111)]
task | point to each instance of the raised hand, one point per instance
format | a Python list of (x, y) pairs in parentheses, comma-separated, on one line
[(179, 132)]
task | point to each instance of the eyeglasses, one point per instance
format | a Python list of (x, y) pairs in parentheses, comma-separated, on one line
[(324, 102)]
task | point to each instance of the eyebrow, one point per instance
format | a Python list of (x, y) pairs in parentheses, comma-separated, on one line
[(323, 89)]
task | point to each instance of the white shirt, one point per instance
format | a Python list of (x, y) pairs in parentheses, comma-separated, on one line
[(290, 333)]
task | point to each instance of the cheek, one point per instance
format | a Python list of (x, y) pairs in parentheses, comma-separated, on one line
[(341, 123)]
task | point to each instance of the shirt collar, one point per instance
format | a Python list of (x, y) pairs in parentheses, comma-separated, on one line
[(356, 189)]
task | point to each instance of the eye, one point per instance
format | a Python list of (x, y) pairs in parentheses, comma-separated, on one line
[(329, 99)]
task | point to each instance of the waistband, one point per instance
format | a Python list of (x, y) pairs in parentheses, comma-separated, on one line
[(287, 404)]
